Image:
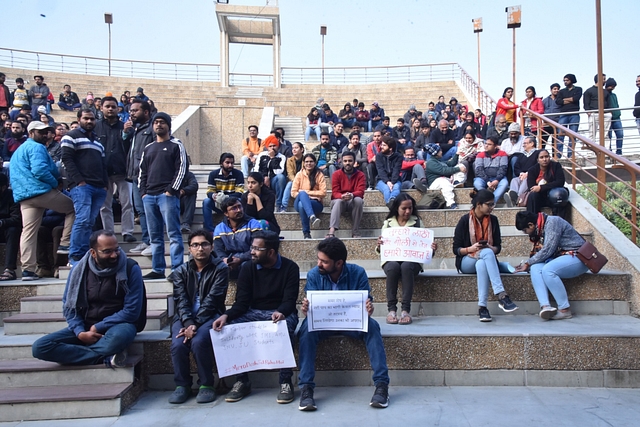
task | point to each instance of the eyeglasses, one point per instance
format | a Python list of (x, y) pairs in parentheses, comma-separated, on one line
[(490, 204), (108, 251), (256, 248), (203, 245), (234, 208)]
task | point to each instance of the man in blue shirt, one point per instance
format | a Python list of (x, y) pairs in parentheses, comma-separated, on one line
[(334, 274)]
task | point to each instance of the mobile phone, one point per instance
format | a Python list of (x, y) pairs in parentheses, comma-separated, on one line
[(483, 242)]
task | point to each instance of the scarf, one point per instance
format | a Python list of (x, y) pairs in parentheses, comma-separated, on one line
[(538, 239), (480, 230), (78, 277)]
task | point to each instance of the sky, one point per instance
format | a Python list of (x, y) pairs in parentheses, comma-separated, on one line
[(557, 36)]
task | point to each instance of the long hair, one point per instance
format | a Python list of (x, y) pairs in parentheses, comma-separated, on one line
[(393, 211), (314, 172)]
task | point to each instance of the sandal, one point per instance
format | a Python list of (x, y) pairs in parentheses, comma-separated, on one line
[(392, 319), (8, 275), (405, 319)]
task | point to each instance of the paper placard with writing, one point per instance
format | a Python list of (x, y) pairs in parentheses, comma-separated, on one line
[(337, 311), (251, 346), (406, 244)]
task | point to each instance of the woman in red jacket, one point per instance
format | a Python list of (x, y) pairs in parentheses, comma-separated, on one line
[(532, 103), (506, 106)]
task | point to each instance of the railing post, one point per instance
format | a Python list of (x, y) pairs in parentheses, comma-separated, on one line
[(11, 58), (634, 215), (62, 63), (175, 66), (38, 61), (86, 66), (197, 74), (154, 69), (131, 68), (602, 180)]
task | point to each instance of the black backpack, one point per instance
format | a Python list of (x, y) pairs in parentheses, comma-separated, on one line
[(142, 319)]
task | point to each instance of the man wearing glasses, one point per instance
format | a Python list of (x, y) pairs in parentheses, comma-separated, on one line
[(199, 292), (267, 289), (103, 306)]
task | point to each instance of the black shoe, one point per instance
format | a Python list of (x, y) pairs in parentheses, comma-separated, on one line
[(484, 314), (306, 399), (380, 397), (180, 395), (390, 202), (506, 304), (206, 395), (514, 197), (153, 275), (128, 238), (286, 393), (307, 235), (238, 391)]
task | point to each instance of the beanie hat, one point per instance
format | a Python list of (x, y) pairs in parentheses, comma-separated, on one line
[(433, 148), (514, 127), (271, 139), (163, 116), (571, 77)]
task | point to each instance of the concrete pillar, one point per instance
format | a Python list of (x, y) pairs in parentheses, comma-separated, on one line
[(224, 58), (277, 70)]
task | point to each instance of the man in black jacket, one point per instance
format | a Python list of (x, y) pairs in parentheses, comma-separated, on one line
[(199, 292), (388, 165), (10, 227), (267, 289), (110, 134), (188, 194), (636, 111), (590, 103)]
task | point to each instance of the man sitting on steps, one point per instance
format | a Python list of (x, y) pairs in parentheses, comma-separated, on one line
[(103, 306)]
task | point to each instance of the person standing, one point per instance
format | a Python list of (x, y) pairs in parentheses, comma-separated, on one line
[(39, 95), (636, 111), (5, 95), (162, 169), (590, 101), (84, 160), (110, 132), (616, 124), (10, 227), (568, 100), (199, 291)]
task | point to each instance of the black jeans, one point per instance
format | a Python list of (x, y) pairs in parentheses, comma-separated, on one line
[(11, 237), (396, 271)]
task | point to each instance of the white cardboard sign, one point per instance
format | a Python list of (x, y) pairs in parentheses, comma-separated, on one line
[(337, 311), (406, 244), (251, 346)]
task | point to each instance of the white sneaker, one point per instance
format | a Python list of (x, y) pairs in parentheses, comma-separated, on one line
[(147, 252), (138, 249)]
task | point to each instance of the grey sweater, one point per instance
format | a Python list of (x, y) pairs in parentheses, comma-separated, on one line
[(558, 234)]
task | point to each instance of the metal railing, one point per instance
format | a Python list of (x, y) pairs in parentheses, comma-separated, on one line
[(594, 163), (482, 99)]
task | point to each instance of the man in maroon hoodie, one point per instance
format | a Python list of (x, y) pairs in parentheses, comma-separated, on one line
[(347, 193)]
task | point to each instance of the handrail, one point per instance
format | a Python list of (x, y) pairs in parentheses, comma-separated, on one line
[(601, 174), (487, 104)]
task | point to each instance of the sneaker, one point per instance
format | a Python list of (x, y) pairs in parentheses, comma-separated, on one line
[(286, 393), (153, 275), (507, 200), (206, 395), (184, 228), (147, 251), (28, 276), (307, 235), (514, 197), (560, 315), (506, 304), (128, 238), (314, 221), (118, 360), (282, 209), (420, 185), (138, 249), (547, 312), (63, 250), (458, 184), (180, 395), (306, 399), (238, 391), (454, 206), (370, 189), (380, 397), (484, 314)]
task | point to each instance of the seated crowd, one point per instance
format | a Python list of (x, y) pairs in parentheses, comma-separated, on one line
[(60, 178)]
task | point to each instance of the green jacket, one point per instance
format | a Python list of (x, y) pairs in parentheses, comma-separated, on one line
[(436, 168), (613, 103)]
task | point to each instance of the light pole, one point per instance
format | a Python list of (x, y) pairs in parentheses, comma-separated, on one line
[(477, 28), (108, 19), (323, 32), (514, 20)]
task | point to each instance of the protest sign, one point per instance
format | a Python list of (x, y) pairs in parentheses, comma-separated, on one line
[(251, 346), (337, 311), (406, 244)]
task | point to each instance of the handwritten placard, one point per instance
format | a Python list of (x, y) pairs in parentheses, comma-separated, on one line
[(337, 311), (406, 244), (252, 346)]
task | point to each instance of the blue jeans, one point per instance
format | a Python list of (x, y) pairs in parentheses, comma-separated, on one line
[(208, 208), (616, 126), (487, 270), (65, 348), (481, 184), (66, 107), (137, 201), (87, 201), (572, 121), (286, 195), (246, 165), (277, 184), (200, 346), (253, 315), (547, 277), (348, 123), (306, 207), (312, 129), (308, 344), (389, 194), (164, 211)]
